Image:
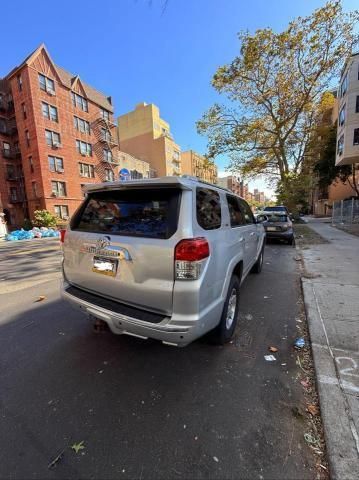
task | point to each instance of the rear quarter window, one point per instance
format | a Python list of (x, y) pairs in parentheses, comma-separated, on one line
[(135, 213), (208, 207)]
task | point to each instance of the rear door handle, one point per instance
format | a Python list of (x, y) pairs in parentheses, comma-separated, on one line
[(253, 233)]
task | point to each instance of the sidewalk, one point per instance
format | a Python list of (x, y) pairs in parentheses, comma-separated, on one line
[(331, 297)]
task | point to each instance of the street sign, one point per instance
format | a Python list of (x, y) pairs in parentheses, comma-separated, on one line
[(124, 175)]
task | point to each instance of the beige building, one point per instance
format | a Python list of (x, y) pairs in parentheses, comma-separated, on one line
[(137, 168), (348, 119), (199, 166), (145, 135)]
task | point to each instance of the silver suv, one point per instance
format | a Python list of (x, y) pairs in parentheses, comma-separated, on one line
[(161, 258)]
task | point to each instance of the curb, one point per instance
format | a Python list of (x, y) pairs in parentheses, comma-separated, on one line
[(340, 443)]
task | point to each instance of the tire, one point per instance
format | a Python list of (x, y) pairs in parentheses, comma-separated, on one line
[(227, 325), (257, 267), (291, 241)]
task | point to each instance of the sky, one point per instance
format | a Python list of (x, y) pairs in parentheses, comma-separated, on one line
[(157, 51)]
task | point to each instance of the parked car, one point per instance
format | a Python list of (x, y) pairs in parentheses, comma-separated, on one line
[(278, 225), (162, 258), (277, 208)]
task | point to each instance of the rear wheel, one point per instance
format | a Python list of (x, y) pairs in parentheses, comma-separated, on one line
[(257, 267), (224, 332)]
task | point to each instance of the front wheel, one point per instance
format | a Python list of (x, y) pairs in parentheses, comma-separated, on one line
[(224, 332)]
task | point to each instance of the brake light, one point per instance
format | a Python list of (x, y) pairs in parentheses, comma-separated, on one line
[(62, 235), (189, 254)]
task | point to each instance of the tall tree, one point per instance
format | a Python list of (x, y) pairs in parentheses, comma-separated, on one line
[(274, 86)]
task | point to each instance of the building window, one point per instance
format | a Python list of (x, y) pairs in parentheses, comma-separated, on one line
[(16, 147), (23, 108), (357, 105), (56, 164), (19, 82), (84, 148), (27, 137), (176, 155), (46, 84), (58, 189), (34, 189), (31, 165), (50, 112), (53, 139), (109, 175), (105, 114), (6, 149), (106, 135), (10, 172), (107, 155), (340, 145), (13, 194), (86, 170), (62, 211), (135, 175), (342, 116), (82, 125), (79, 102), (344, 86), (356, 136)]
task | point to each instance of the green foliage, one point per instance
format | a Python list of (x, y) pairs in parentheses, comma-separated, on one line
[(27, 225), (274, 87), (44, 218), (293, 192)]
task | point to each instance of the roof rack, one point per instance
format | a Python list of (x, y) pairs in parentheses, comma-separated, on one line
[(199, 180)]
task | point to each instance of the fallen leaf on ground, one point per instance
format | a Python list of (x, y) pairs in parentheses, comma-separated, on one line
[(215, 459), (312, 409), (273, 349), (305, 383), (78, 446), (40, 298)]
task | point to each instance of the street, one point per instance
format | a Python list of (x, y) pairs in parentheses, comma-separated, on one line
[(142, 409)]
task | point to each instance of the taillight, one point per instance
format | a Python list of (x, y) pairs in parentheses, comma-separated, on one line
[(62, 235), (188, 256)]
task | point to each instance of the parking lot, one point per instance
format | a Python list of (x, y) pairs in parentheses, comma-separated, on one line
[(145, 410)]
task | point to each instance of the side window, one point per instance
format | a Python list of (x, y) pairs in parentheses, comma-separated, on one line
[(235, 213), (246, 209), (208, 204)]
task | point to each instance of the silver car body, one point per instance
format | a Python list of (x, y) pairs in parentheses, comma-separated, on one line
[(143, 298)]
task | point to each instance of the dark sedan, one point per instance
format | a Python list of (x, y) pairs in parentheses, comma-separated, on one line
[(278, 226)]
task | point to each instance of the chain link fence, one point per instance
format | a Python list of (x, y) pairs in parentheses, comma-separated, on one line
[(346, 212)]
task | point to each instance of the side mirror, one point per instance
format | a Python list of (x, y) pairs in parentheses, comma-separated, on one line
[(261, 218)]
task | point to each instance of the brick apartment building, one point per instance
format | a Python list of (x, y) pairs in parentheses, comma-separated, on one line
[(199, 166), (56, 134)]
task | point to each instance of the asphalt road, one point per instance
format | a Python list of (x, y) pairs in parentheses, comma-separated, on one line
[(142, 409)]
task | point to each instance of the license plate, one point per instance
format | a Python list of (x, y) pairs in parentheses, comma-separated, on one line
[(105, 266), (271, 229)]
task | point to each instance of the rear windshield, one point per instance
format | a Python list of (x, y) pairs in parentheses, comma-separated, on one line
[(136, 213), (277, 218), (274, 209)]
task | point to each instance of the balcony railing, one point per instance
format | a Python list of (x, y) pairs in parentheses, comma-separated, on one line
[(16, 199), (7, 153)]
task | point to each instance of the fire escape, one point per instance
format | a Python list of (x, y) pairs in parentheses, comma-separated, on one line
[(105, 148)]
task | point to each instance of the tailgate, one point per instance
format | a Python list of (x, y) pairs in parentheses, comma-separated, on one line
[(119, 245)]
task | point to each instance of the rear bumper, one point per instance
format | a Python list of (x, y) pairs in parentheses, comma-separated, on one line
[(284, 235), (174, 330)]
